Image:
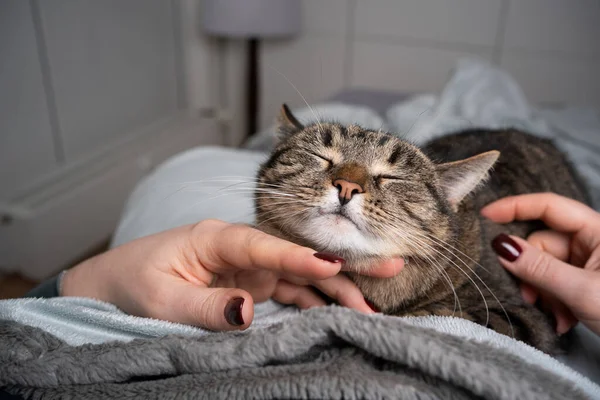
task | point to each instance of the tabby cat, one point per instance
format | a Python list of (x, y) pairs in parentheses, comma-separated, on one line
[(368, 196)]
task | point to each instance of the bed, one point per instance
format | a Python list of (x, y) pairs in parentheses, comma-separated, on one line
[(84, 348)]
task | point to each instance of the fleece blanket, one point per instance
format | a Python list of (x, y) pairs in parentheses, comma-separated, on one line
[(327, 352)]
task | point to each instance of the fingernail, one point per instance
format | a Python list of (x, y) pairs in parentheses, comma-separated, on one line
[(332, 258), (233, 311), (373, 306), (506, 248)]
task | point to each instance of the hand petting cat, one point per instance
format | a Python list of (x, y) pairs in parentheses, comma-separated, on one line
[(559, 267), (211, 273)]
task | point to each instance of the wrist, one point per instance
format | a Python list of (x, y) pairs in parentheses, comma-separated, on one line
[(87, 279)]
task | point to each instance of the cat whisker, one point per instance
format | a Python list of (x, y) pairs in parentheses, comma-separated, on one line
[(220, 188), (270, 212), (397, 229), (444, 274), (441, 269), (305, 204), (468, 277), (456, 249), (480, 279), (285, 203), (218, 182), (245, 195), (260, 192), (254, 190), (232, 178), (301, 96), (243, 218), (405, 136), (240, 183), (185, 186), (284, 219), (492, 294), (435, 264), (240, 194)]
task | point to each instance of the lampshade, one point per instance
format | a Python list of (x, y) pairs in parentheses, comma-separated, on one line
[(251, 18)]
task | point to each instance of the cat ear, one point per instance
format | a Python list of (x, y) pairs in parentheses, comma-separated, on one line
[(459, 178), (288, 124)]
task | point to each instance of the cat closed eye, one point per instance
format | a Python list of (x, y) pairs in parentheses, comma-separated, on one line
[(381, 178), (329, 161)]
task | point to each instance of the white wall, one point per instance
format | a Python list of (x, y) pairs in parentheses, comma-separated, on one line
[(552, 47), (80, 75), (92, 95), (24, 116)]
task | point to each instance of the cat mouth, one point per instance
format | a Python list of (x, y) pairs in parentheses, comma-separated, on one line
[(339, 215)]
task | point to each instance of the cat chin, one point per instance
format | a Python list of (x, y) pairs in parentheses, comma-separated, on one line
[(337, 234)]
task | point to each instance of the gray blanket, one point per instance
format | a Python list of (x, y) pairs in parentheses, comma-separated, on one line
[(328, 352)]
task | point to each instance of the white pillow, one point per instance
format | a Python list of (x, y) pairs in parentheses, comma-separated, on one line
[(201, 183)]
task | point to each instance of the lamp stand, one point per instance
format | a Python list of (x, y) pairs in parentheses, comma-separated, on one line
[(252, 90)]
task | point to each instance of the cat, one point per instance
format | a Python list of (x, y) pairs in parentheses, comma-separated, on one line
[(368, 196)]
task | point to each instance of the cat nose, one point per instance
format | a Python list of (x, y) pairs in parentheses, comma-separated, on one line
[(347, 190)]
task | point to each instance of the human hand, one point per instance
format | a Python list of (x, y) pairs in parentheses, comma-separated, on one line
[(561, 266), (210, 274)]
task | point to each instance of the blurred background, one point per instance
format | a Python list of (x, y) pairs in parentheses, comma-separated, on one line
[(95, 93)]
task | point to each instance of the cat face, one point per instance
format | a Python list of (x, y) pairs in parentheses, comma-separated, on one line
[(359, 193)]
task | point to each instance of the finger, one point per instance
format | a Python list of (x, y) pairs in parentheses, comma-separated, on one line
[(302, 296), (559, 213), (218, 309), (345, 292), (529, 293), (565, 320), (386, 269), (555, 243), (341, 289), (222, 247), (260, 284), (540, 269)]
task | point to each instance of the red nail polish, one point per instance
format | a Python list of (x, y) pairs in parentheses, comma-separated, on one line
[(506, 248), (332, 258), (233, 311), (373, 306)]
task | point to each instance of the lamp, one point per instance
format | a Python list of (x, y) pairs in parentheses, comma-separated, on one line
[(251, 20)]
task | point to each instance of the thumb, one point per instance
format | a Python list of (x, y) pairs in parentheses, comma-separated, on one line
[(217, 309), (540, 269)]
